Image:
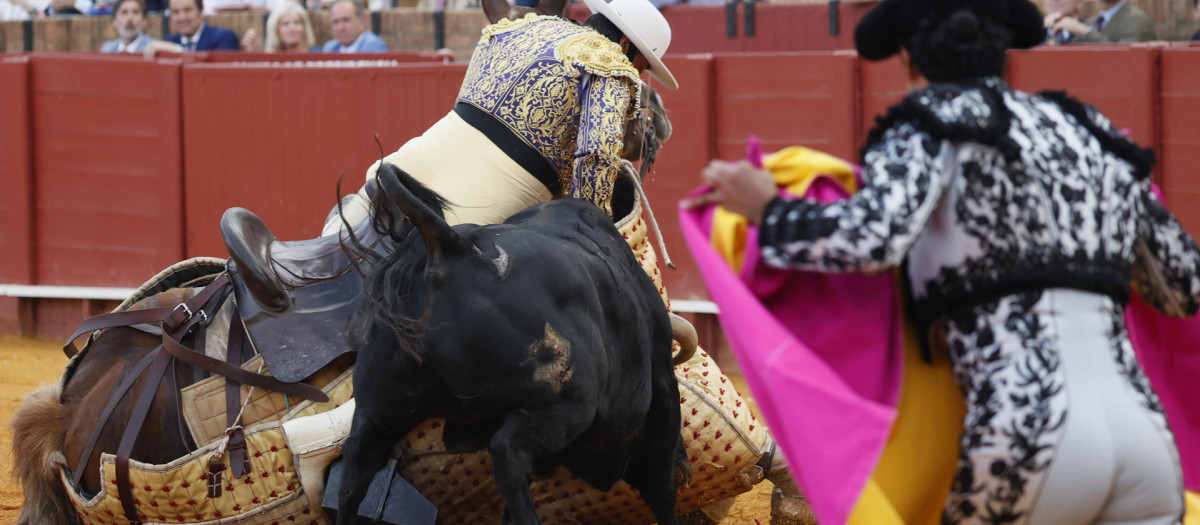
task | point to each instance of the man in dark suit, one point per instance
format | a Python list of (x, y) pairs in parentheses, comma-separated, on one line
[(1057, 10), (1196, 16), (195, 35), (1119, 21)]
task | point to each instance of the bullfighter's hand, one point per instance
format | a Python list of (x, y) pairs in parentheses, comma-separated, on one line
[(738, 186)]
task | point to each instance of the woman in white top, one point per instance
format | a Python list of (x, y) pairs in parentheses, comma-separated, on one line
[(289, 30)]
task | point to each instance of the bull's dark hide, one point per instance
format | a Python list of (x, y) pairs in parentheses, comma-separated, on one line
[(541, 339)]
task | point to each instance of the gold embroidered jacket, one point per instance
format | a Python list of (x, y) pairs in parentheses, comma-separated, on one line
[(565, 90)]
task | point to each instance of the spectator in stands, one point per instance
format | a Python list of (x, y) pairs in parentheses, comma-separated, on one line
[(1196, 17), (61, 8), (350, 34), (129, 19), (1119, 21), (193, 34), (27, 9), (288, 31), (1057, 10), (16, 10), (222, 6)]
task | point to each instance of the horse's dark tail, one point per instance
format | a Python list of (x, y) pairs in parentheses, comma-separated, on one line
[(38, 434), (399, 190)]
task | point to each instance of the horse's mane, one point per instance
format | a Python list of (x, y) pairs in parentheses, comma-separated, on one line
[(394, 291)]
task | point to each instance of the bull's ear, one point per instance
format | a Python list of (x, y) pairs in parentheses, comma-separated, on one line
[(552, 7), (495, 10)]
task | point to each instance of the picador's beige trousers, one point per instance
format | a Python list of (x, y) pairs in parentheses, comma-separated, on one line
[(483, 185)]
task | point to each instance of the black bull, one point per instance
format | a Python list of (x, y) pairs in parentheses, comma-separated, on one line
[(541, 339)]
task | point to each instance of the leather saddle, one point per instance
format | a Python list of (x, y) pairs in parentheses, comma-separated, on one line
[(296, 298)]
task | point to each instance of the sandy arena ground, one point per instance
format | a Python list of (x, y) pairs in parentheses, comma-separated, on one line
[(26, 364)]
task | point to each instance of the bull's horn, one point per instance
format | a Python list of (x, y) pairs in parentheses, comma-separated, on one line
[(685, 335)]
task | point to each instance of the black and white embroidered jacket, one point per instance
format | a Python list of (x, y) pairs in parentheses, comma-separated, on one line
[(983, 191)]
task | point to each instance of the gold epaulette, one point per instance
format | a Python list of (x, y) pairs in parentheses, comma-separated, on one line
[(596, 54), (505, 25)]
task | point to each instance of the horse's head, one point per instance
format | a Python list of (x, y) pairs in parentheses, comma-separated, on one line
[(648, 130)]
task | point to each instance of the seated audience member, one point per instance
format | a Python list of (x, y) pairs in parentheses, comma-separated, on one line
[(350, 34), (1196, 17), (1057, 10), (16, 10), (193, 34), (221, 6), (1118, 21), (28, 9), (129, 18), (61, 8), (289, 30)]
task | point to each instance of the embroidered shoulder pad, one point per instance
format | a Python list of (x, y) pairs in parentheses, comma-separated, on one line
[(1142, 159), (973, 112), (596, 54), (505, 25)]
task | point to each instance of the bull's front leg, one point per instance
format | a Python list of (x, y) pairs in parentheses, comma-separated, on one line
[(365, 453)]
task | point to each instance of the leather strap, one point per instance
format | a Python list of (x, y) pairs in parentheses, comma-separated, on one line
[(114, 320), (213, 296), (242, 375), (169, 317), (136, 418), (233, 404), (113, 398)]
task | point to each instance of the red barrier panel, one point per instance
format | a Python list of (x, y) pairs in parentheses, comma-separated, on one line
[(16, 174), (677, 169), (701, 29), (325, 59), (883, 84), (16, 189), (275, 140), (776, 27), (1122, 81), (1180, 152), (106, 145), (801, 99)]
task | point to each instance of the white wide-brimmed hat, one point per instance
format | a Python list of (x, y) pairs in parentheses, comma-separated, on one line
[(645, 27)]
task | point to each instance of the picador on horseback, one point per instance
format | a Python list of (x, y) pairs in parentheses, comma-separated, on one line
[(225, 389)]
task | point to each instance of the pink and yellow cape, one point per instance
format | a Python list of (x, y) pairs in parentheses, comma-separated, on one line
[(869, 429)]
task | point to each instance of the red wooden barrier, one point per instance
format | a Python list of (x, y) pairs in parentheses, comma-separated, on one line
[(16, 188), (1180, 151), (222, 57), (777, 27), (1122, 81), (110, 146), (786, 99), (16, 174), (677, 169), (883, 84), (282, 137), (108, 202)]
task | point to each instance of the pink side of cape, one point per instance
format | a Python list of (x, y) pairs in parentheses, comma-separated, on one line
[(824, 365), (822, 356)]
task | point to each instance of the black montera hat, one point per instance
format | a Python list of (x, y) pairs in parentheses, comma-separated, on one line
[(890, 23)]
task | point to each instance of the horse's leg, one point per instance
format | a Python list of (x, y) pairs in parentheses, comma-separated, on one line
[(365, 453)]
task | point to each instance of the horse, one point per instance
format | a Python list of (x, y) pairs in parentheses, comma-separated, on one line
[(463, 324)]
